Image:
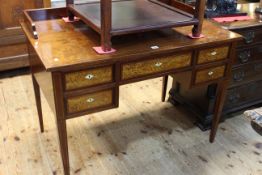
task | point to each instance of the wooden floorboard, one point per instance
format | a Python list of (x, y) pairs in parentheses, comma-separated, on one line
[(142, 137)]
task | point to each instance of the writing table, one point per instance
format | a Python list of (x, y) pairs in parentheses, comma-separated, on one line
[(77, 81)]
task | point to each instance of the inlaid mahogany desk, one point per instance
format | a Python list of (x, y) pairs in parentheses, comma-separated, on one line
[(77, 81)]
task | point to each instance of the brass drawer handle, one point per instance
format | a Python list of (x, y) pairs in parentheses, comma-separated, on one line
[(158, 64), (89, 76), (90, 100), (249, 37), (213, 53), (210, 73)]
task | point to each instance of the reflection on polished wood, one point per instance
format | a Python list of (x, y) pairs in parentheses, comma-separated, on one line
[(63, 48)]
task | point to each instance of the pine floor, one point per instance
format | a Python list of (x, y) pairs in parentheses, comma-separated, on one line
[(142, 137)]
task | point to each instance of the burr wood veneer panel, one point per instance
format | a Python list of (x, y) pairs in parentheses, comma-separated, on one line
[(90, 77), (213, 54), (210, 74), (137, 69), (89, 101)]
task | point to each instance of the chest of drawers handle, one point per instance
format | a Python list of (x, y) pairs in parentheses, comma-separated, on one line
[(238, 76), (234, 97), (244, 56), (90, 100), (158, 64), (210, 73), (89, 76), (249, 37)]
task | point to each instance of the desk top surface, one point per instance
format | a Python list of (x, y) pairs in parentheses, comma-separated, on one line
[(61, 44)]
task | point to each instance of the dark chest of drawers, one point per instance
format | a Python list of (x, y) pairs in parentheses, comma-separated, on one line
[(245, 88)]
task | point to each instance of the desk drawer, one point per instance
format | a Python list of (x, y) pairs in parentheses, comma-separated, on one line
[(146, 67), (90, 77), (89, 101), (212, 54), (209, 74)]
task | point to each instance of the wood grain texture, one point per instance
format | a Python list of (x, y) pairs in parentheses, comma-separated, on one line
[(54, 33), (13, 56), (58, 41), (210, 74), (13, 52), (137, 69), (212, 54), (89, 101), (12, 11), (114, 141), (244, 90), (90, 77)]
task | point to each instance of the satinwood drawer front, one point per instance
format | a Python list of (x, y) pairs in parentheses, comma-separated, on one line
[(89, 101), (138, 69), (90, 77), (212, 54), (209, 74)]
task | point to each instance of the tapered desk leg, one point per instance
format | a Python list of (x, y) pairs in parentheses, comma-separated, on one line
[(221, 94), (62, 134), (61, 120), (164, 87), (38, 103)]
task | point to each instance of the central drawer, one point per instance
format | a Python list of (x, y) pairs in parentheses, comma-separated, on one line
[(90, 101), (156, 65)]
